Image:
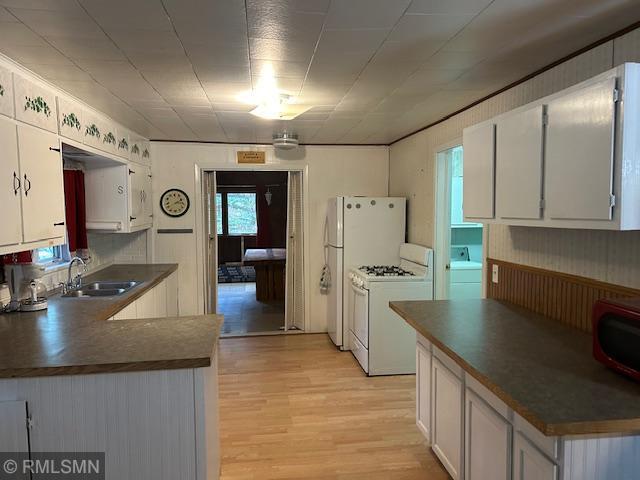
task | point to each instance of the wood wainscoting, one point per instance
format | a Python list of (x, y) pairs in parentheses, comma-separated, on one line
[(561, 296)]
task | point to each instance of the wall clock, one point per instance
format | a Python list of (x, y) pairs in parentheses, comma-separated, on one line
[(174, 202)]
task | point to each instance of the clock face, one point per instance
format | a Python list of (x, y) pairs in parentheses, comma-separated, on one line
[(174, 202)]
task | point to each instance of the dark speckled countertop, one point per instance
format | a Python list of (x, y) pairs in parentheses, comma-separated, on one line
[(542, 369), (74, 336)]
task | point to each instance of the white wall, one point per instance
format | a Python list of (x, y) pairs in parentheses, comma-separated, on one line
[(608, 256), (330, 171)]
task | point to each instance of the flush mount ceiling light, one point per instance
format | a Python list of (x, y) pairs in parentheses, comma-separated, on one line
[(270, 102)]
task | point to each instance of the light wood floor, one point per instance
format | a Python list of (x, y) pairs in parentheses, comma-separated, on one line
[(293, 407)]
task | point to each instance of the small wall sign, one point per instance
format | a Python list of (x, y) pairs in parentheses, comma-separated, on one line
[(251, 157)]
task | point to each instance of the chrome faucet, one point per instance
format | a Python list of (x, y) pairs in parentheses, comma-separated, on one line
[(77, 280)]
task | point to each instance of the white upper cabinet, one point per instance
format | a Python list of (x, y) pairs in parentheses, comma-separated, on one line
[(478, 166), (70, 119), (43, 213), (93, 130), (10, 185), (35, 105), (519, 156), (109, 137), (579, 170), (6, 92), (580, 147)]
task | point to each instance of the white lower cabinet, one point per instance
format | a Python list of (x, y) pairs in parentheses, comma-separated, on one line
[(487, 441), (447, 400), (160, 301), (529, 463), (423, 390)]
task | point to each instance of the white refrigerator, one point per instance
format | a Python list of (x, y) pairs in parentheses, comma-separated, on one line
[(360, 231)]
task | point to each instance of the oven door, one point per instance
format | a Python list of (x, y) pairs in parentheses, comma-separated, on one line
[(359, 321)]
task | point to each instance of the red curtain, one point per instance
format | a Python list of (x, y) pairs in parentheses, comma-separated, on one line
[(263, 238), (76, 211)]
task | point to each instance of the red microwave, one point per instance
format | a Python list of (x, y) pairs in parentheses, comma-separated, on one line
[(616, 335)]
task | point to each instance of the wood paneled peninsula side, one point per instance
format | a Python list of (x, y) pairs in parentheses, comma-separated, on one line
[(524, 383), (143, 390)]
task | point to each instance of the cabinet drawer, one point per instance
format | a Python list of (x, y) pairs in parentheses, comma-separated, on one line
[(358, 351)]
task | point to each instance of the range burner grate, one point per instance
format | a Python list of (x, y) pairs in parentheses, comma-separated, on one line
[(385, 271)]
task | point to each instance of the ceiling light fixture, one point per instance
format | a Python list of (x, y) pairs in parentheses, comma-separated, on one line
[(270, 102)]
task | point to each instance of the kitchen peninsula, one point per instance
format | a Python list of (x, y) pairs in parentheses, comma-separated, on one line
[(142, 390), (497, 381)]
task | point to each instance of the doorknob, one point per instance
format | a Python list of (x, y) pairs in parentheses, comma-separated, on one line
[(447, 266)]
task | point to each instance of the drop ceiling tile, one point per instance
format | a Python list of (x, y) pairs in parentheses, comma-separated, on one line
[(225, 92), (280, 50), (232, 107), (146, 41), (454, 60), (231, 54), (274, 20), (352, 41), (75, 24), (6, 16), (334, 72), (280, 69), (290, 86), (104, 68), (448, 7), (18, 34), (221, 74), (159, 61), (408, 51), (43, 55), (308, 6), (100, 48), (51, 5), (134, 15), (428, 28), (55, 73), (218, 13), (350, 14), (322, 94)]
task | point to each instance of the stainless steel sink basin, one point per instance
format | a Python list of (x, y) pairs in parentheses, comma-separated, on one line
[(102, 289), (109, 285)]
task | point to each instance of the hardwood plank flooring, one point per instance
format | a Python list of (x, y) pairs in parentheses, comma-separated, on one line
[(294, 407)]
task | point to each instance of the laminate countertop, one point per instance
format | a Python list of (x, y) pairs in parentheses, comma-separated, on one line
[(73, 336), (540, 368)]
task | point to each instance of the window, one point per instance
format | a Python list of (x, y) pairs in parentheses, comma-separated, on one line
[(219, 230), (51, 255), (236, 213)]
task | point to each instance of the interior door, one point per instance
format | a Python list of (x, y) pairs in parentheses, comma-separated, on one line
[(43, 211), (294, 291), (211, 264), (579, 153), (519, 152), (10, 187)]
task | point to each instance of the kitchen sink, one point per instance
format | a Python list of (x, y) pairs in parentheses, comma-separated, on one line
[(109, 285), (95, 293), (101, 289)]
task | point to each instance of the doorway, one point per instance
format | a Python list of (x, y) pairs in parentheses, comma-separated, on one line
[(459, 251), (255, 275)]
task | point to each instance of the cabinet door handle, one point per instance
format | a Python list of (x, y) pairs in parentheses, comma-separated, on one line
[(53, 149), (132, 218), (58, 224), (16, 183), (131, 171), (27, 185)]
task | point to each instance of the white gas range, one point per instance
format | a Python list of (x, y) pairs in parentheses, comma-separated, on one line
[(380, 340)]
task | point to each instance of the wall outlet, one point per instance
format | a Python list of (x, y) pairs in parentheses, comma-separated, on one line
[(494, 273)]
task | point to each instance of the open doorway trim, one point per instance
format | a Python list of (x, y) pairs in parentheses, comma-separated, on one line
[(205, 286), (442, 222)]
